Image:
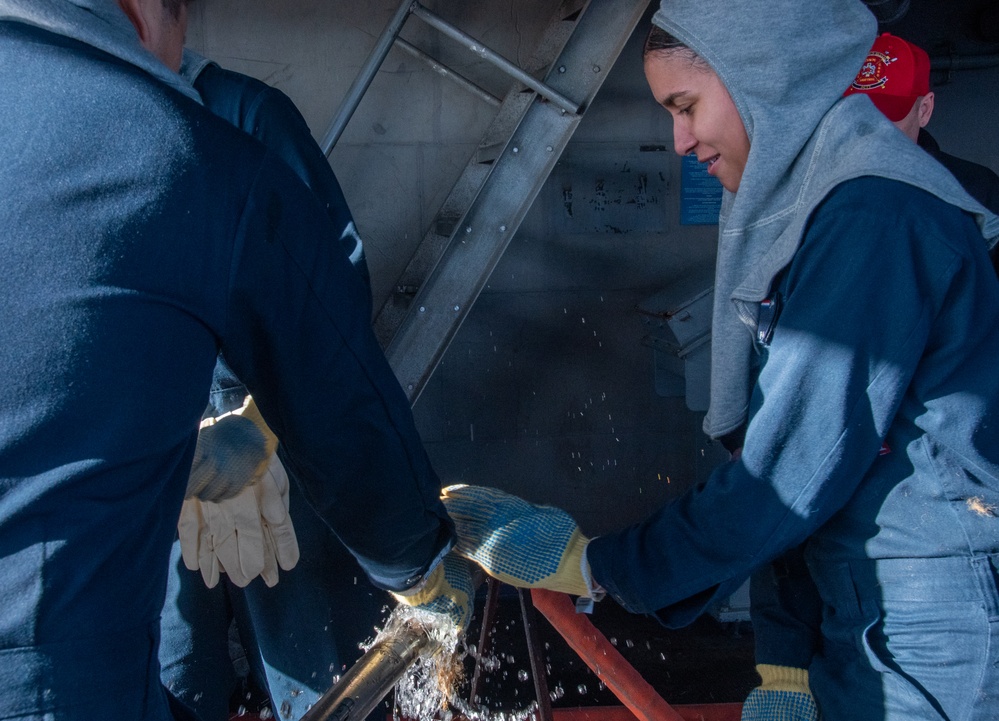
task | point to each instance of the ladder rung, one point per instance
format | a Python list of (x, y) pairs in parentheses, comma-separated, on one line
[(496, 59), (445, 71)]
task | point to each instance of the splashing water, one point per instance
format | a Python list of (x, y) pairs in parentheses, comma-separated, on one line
[(431, 688)]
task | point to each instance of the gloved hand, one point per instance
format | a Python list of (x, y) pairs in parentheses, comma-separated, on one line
[(517, 542), (280, 541), (783, 695), (196, 542), (244, 536), (233, 451), (448, 590)]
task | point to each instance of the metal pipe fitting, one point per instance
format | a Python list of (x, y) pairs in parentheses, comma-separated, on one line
[(369, 680)]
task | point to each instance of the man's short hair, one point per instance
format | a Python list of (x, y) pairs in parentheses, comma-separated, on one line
[(173, 7), (895, 74)]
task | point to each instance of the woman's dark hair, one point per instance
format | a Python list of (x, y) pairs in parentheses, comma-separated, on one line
[(660, 41)]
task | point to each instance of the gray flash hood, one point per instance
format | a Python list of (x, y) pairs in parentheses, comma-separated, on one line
[(786, 64)]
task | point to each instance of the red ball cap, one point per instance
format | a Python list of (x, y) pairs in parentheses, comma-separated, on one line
[(894, 75)]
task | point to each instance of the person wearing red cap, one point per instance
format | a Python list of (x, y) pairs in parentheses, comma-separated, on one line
[(896, 77)]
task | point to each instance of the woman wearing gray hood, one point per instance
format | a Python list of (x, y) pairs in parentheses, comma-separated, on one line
[(854, 337)]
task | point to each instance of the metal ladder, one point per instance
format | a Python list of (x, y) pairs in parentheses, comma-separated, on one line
[(488, 202)]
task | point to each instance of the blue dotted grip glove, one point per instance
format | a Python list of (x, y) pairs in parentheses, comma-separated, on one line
[(446, 590), (783, 695), (517, 542)]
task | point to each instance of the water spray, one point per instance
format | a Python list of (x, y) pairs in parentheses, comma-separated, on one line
[(417, 640), (404, 639)]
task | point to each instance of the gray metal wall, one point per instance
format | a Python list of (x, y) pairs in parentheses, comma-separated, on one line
[(547, 390)]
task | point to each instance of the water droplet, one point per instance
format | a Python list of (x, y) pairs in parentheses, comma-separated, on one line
[(522, 675)]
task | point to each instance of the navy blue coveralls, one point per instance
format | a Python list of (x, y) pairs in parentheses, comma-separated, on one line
[(141, 236)]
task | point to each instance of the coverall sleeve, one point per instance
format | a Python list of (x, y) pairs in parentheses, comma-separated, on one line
[(298, 335), (860, 297), (270, 116), (786, 611), (275, 121)]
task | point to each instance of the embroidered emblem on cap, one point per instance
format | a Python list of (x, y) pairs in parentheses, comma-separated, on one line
[(873, 74)]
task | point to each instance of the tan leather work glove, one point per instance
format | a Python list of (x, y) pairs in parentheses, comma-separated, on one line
[(248, 535)]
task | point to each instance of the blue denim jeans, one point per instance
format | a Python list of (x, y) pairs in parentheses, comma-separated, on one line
[(908, 639)]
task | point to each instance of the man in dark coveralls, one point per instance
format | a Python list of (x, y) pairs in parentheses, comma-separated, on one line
[(125, 203)]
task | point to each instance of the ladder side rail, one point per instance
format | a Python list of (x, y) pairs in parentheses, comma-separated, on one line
[(363, 80), (523, 166), (441, 231), (445, 228), (443, 301)]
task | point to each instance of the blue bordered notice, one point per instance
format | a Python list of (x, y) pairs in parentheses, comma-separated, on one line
[(700, 193)]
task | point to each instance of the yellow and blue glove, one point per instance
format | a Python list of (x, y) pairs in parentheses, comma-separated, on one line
[(447, 589), (517, 542), (783, 695)]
